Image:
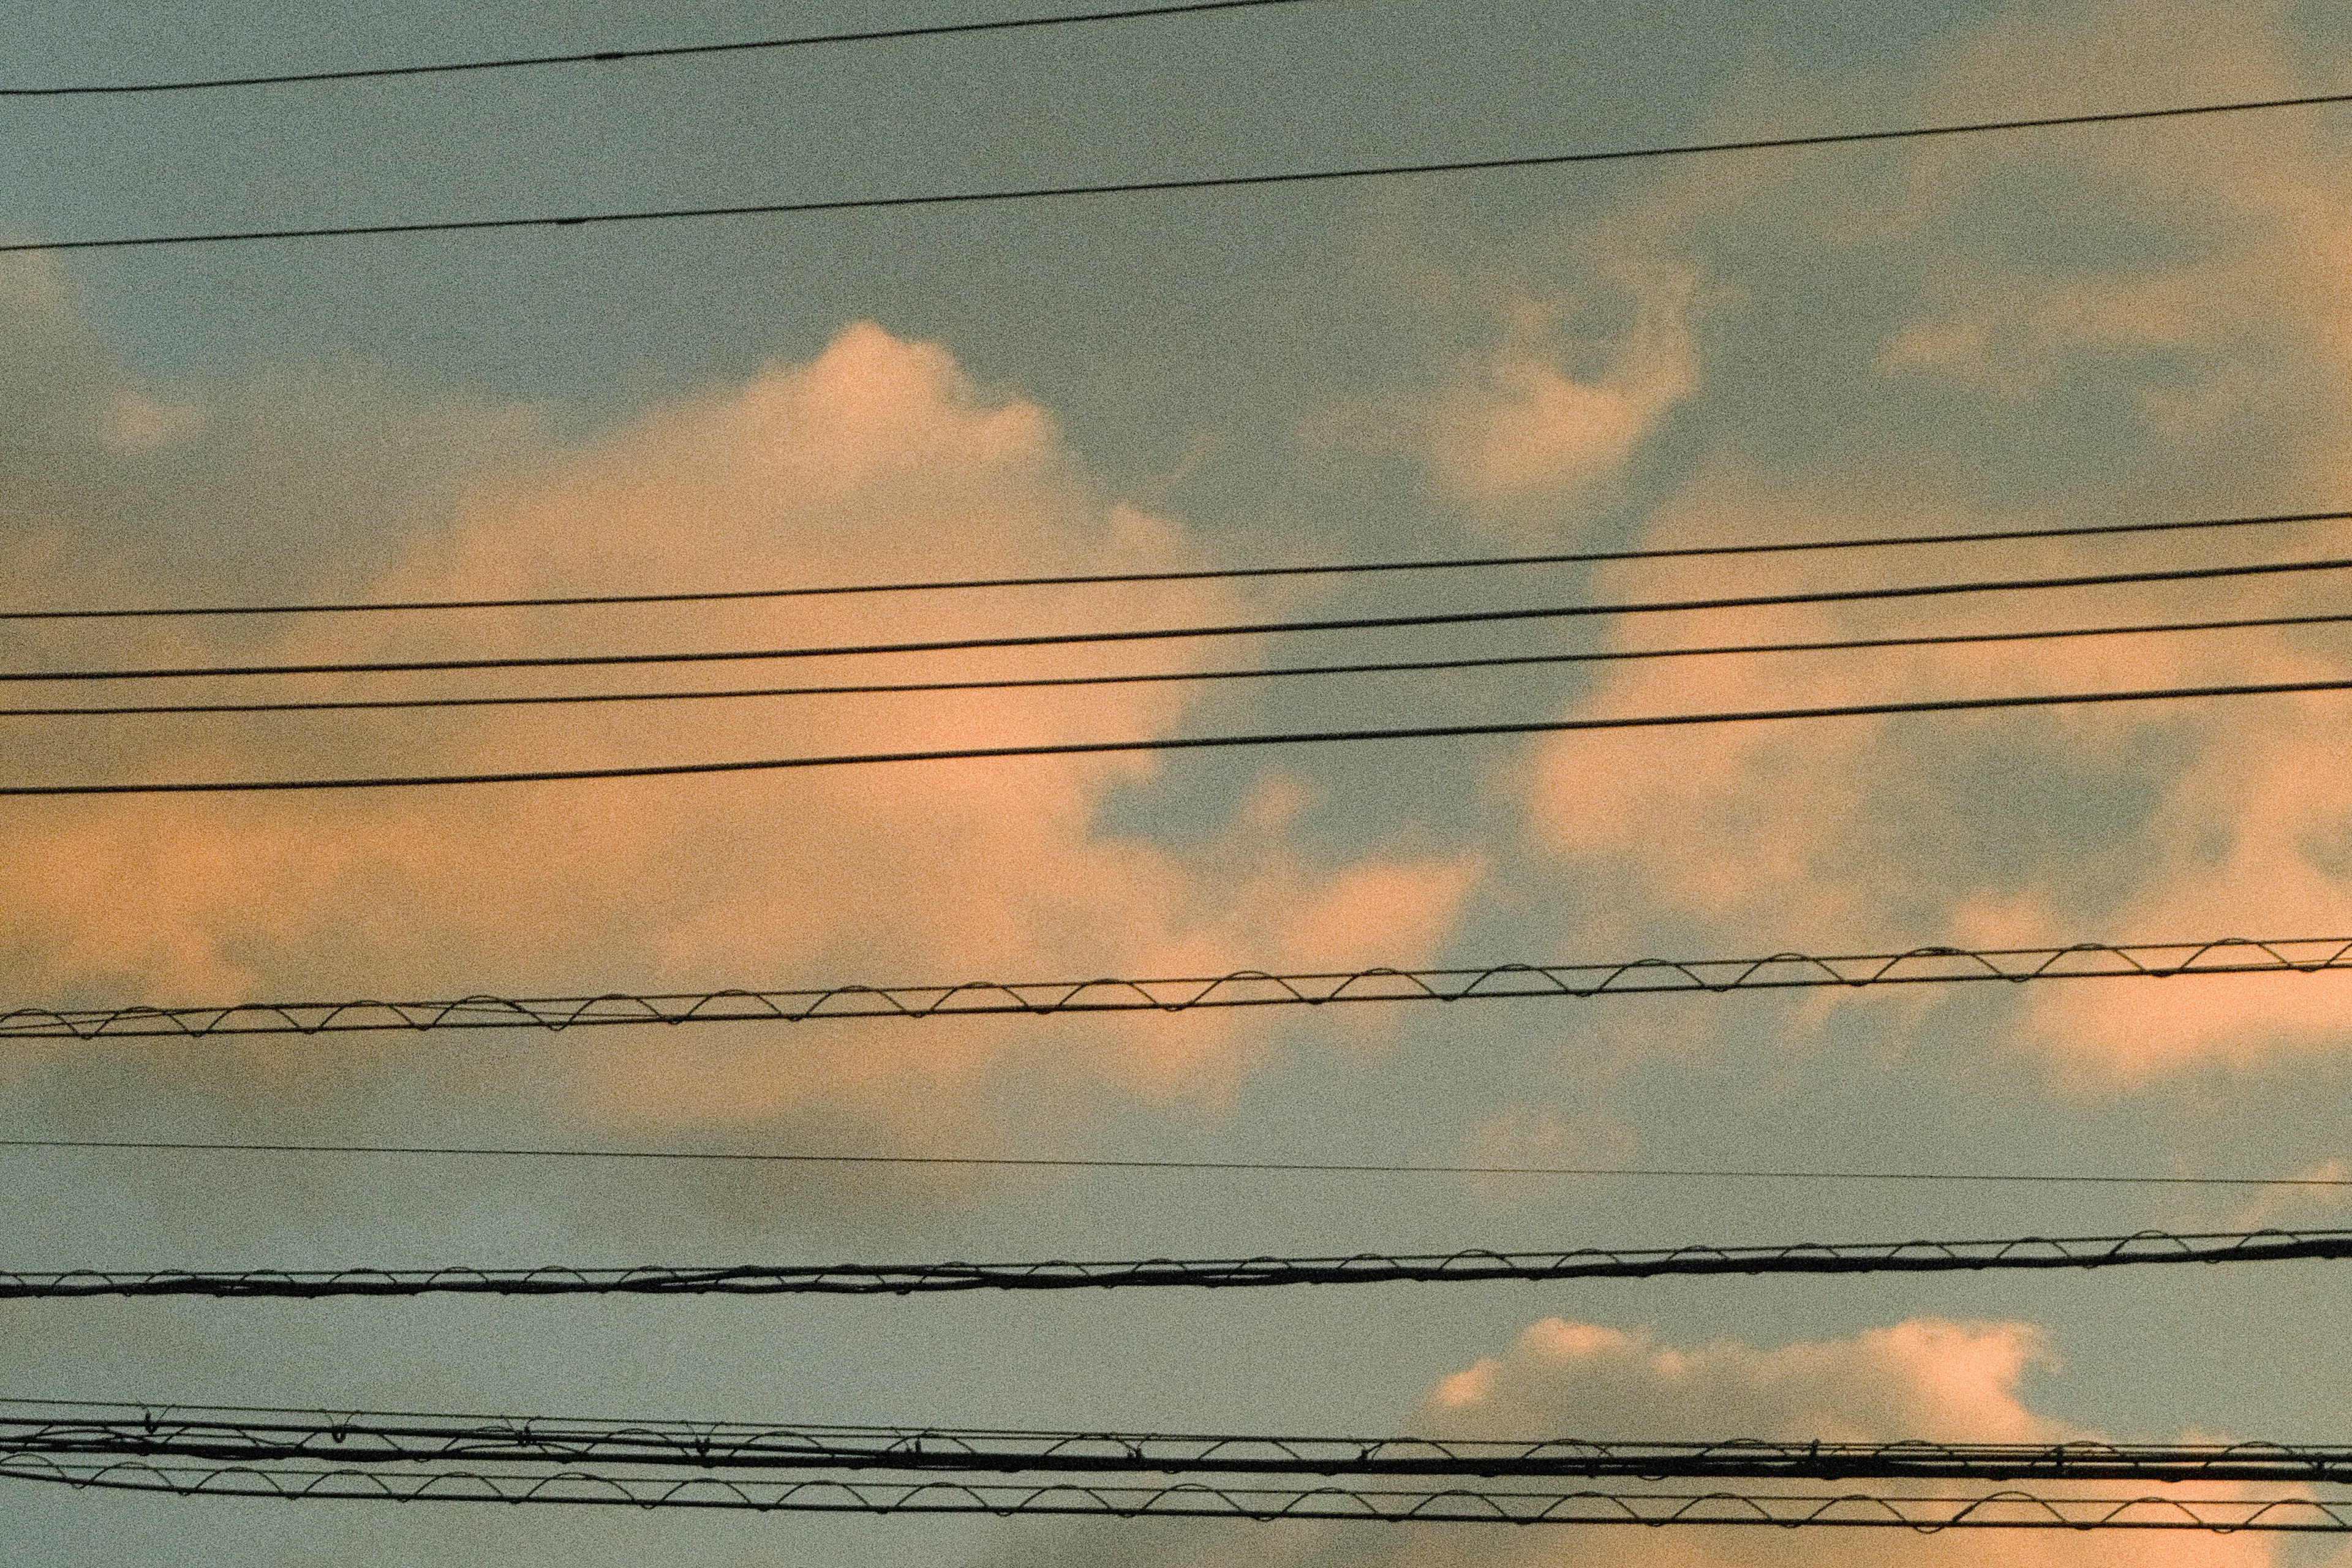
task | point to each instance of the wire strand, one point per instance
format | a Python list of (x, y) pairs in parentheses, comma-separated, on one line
[(1177, 184), (1598, 656), (1226, 574), (658, 52), (1177, 743)]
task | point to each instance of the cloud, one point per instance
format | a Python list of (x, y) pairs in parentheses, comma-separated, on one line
[(1928, 1378)]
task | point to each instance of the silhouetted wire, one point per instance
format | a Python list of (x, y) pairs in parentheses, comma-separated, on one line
[(2235, 956), (658, 52), (728, 1156), (1221, 573), (2007, 1509), (1181, 184), (86, 1430), (1177, 743), (1221, 629), (2145, 1248), (1154, 677)]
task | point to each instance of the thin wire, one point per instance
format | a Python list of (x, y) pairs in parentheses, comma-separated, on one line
[(1177, 743), (1648, 1173), (1352, 568), (664, 52), (1374, 667), (1194, 183), (1226, 629)]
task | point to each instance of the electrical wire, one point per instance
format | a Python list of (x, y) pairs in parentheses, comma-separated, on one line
[(2008, 1510), (728, 1156), (1203, 575), (88, 1429), (1183, 183), (1598, 656), (660, 52), (1176, 744), (1242, 988), (1223, 629), (1470, 1266)]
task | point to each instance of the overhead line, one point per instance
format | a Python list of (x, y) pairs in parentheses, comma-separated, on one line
[(658, 52), (728, 1156), (1176, 184), (2307, 955), (1470, 1266), (2008, 1510), (1227, 629), (1600, 655), (1226, 574), (1177, 743)]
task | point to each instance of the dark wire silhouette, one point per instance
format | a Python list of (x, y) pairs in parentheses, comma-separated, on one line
[(1223, 629), (2146, 1248), (1218, 573), (2308, 955), (755, 1156), (658, 52), (2006, 1510), (1178, 742), (1598, 656), (88, 1429), (1183, 183)]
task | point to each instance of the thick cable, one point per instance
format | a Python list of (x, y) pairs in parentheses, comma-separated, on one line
[(1242, 988), (658, 52), (1202, 574), (1178, 742), (1223, 629), (1182, 183), (754, 1156), (1598, 656), (2007, 1509)]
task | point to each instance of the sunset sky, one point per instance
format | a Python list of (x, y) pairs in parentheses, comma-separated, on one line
[(2039, 330)]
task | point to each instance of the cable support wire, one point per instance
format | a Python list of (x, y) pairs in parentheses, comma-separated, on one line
[(1232, 629), (1468, 1267), (1596, 656), (1216, 573), (1176, 184), (1175, 743), (657, 52), (1242, 988), (1305, 1167), (1926, 1515), (77, 1430)]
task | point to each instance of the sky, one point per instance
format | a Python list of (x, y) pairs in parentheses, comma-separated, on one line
[(2031, 331)]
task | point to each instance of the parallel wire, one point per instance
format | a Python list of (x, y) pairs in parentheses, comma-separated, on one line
[(659, 52), (1272, 1166), (1179, 742), (1599, 656), (1224, 630), (1221, 573), (2007, 1509), (1468, 1267), (1241, 988), (88, 1429), (1181, 184)]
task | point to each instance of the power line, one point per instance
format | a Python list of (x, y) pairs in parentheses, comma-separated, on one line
[(662, 52), (1221, 629), (2007, 1509), (1177, 743), (83, 1430), (1469, 1266), (1226, 574), (726, 1156), (1178, 184), (1599, 656), (1182, 994)]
